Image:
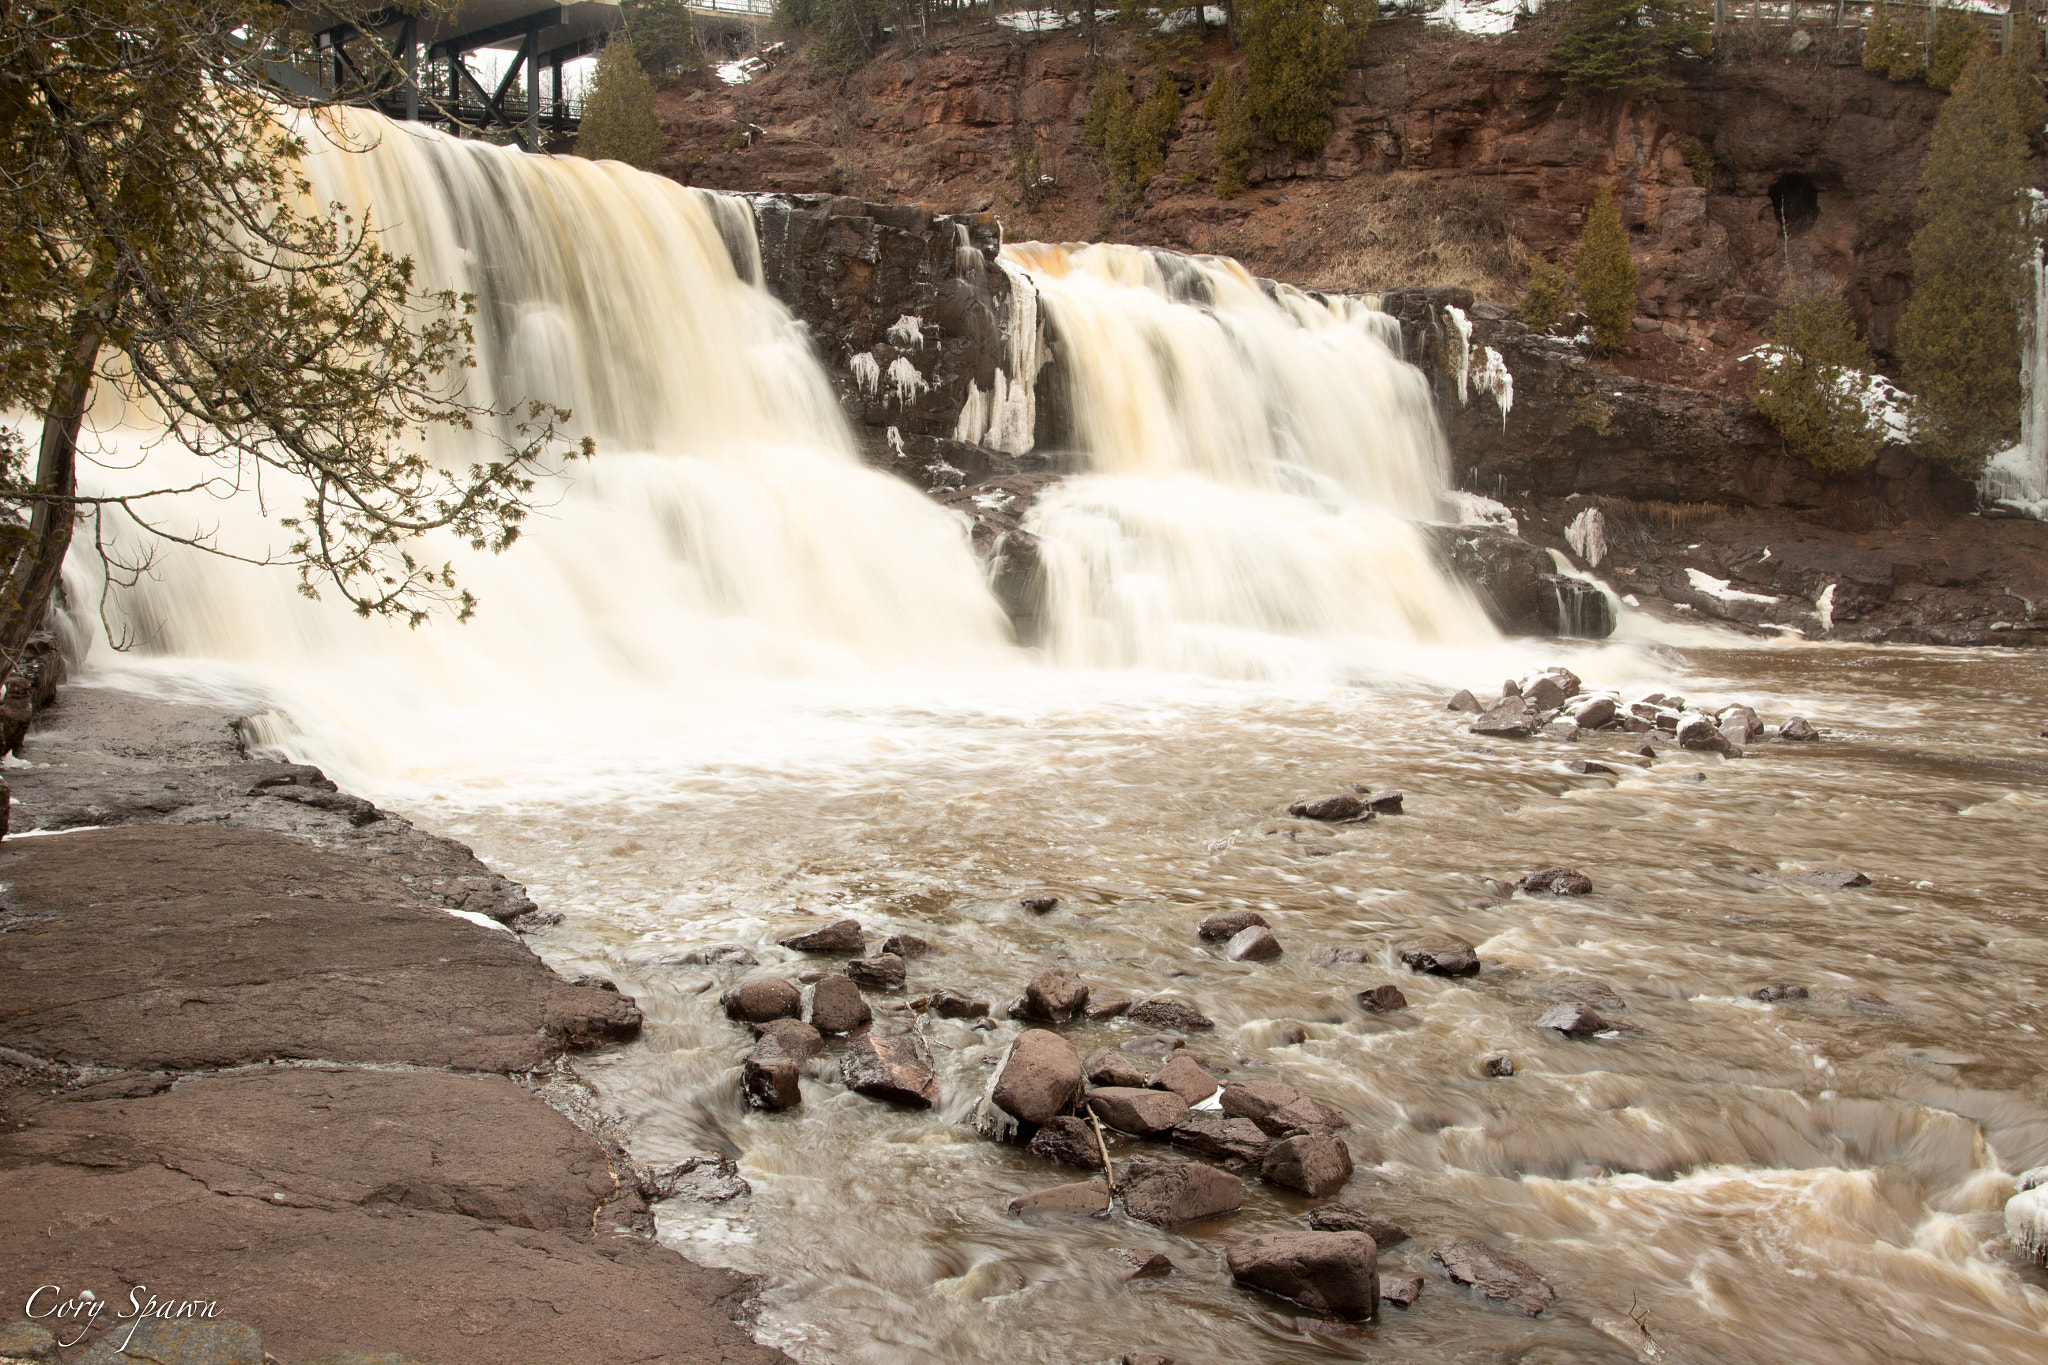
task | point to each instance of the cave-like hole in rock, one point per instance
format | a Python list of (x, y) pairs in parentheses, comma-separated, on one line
[(1795, 200)]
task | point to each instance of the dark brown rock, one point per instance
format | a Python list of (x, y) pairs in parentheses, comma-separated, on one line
[(1382, 999), (1385, 803), (1067, 1140), (1170, 1193), (1558, 881), (1500, 1065), (1573, 1018), (1105, 1004), (949, 1004), (798, 1039), (1233, 1144), (768, 1077), (895, 1069), (1039, 905), (1796, 730), (837, 1005), (1384, 1232), (1040, 1077), (882, 973), (1701, 734), (1225, 924), (1832, 878), (907, 946), (1496, 1274), (1742, 725), (1401, 1290), (1317, 1165), (1508, 718), (1084, 1199), (1109, 1067), (1185, 1076), (1253, 944), (1330, 1272), (1440, 955), (1595, 712), (1162, 1013), (1054, 996), (1774, 994), (1590, 768), (1140, 1263), (841, 938), (1466, 702), (762, 999), (1142, 1112), (1278, 1109), (1145, 1358), (1342, 807)]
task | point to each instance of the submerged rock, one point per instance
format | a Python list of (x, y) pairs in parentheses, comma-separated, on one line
[(1341, 807), (1496, 1274), (1441, 955), (895, 1069), (1330, 1272), (1253, 944), (1140, 1263), (1084, 1199), (1573, 1018), (1796, 730), (717, 955), (1509, 718), (1067, 1140), (1039, 1078), (1279, 1109), (1384, 999), (1831, 878), (1590, 990), (1558, 881), (1039, 904), (1160, 1012), (1315, 1164), (1350, 1218), (1233, 1144), (1338, 957), (1226, 924), (1169, 1193), (841, 938), (1773, 994), (1401, 1290)]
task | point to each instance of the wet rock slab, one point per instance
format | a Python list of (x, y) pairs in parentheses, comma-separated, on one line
[(894, 1069), (1170, 1193), (1330, 1272), (1496, 1274)]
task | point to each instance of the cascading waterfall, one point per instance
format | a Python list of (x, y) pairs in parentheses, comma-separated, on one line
[(726, 529), (1254, 467)]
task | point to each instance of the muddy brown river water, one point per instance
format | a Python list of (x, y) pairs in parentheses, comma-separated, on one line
[(1724, 1180)]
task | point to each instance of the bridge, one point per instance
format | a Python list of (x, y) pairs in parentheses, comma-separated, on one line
[(409, 68)]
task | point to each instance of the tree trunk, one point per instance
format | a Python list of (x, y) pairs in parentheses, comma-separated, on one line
[(1230, 23), (36, 558), (1088, 27)]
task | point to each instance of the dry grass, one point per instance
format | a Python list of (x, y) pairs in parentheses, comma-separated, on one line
[(1665, 516), (1419, 230)]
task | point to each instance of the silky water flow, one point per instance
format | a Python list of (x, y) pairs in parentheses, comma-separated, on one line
[(733, 684)]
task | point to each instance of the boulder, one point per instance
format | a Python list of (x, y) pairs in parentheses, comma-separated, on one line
[(1068, 1141), (895, 1069), (1831, 878), (1594, 712), (1466, 702), (1350, 1218), (1253, 944), (1382, 999), (1773, 994), (1159, 1012), (1557, 881), (841, 938), (1226, 924), (1591, 991), (950, 1004), (1329, 1272), (1141, 1112), (717, 955), (762, 999), (798, 1039), (1054, 996), (1185, 1077), (837, 1005), (1112, 1068), (1500, 1065), (1796, 730), (768, 1077), (1700, 733), (906, 946), (1384, 803), (28, 1341), (1039, 1078), (1083, 1199), (1741, 725), (1496, 1274), (882, 973), (1315, 1164), (1401, 1290), (1169, 1193), (1573, 1018), (1543, 693), (1564, 731), (1342, 807), (1278, 1109), (1508, 718), (1441, 955), (1233, 1144), (1140, 1263), (1039, 904), (1105, 1004)]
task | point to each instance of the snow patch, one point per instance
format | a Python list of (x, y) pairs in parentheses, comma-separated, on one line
[(1475, 510), (478, 919), (1486, 17), (1888, 407), (1718, 587), (742, 71)]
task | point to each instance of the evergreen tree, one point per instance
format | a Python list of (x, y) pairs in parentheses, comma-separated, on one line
[(1960, 339), (1956, 40), (1229, 109), (664, 37), (1297, 52), (1549, 294), (1896, 43), (1131, 134), (1811, 380), (618, 121), (1628, 45), (1606, 273)]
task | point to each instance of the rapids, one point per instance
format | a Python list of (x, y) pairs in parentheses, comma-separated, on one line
[(733, 680)]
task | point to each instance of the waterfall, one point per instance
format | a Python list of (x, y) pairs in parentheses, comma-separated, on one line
[(726, 527), (1254, 464), (2018, 477)]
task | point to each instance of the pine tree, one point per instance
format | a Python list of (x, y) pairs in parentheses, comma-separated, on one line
[(618, 112), (1956, 39), (664, 37), (1229, 109), (1297, 52), (1606, 273), (1628, 45), (1548, 295), (1959, 340), (1895, 44), (1811, 379), (1131, 134)]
